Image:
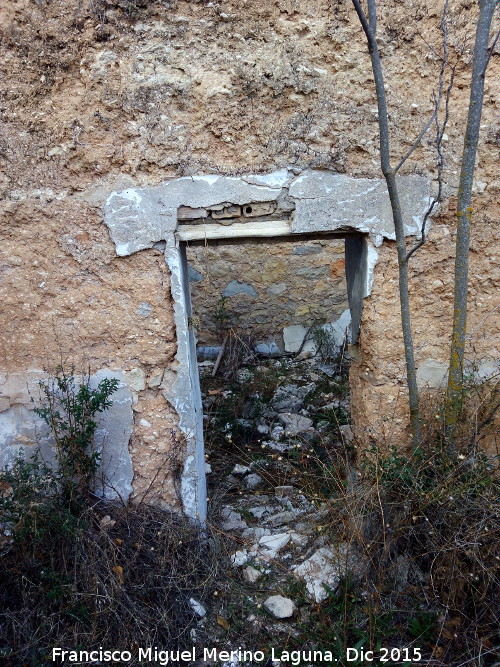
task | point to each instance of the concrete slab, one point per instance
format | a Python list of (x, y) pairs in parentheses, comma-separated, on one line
[(326, 202)]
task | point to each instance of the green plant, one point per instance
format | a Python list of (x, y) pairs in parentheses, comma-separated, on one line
[(326, 347), (39, 501), (70, 409), (30, 503), (223, 317), (75, 572), (423, 626)]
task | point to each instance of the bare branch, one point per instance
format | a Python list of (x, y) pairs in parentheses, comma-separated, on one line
[(490, 51), (440, 130), (397, 214), (437, 104), (454, 393), (362, 17), (417, 140), (372, 15)]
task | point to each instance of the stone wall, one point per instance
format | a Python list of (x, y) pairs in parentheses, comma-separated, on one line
[(266, 287), (97, 98)]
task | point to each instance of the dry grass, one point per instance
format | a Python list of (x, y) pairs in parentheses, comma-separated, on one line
[(422, 533), (121, 577)]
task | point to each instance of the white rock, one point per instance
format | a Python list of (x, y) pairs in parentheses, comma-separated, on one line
[(255, 533), (323, 567), (279, 606), (298, 539), (281, 518), (136, 379), (277, 432), (273, 543), (106, 523), (155, 380), (337, 330), (259, 512), (253, 481), (293, 337), (251, 574), (234, 662), (239, 558), (234, 521), (295, 424), (280, 446), (240, 470), (197, 607)]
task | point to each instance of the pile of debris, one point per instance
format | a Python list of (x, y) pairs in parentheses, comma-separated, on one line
[(268, 432)]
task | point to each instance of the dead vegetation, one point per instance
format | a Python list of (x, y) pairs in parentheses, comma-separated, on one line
[(417, 533), (118, 576)]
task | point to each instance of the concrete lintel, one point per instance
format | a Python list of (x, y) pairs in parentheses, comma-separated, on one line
[(210, 190), (137, 218), (326, 201)]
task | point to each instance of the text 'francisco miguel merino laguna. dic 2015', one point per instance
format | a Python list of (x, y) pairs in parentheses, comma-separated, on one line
[(157, 656)]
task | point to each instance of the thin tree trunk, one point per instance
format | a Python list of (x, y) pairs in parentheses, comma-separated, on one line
[(464, 215), (369, 27)]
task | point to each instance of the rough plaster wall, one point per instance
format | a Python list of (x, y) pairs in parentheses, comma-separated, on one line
[(268, 286), (95, 101), (378, 376), (66, 297)]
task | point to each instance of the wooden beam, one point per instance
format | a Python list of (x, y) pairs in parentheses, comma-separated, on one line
[(269, 228)]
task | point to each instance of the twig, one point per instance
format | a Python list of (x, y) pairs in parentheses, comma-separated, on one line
[(219, 356), (490, 51), (440, 129)]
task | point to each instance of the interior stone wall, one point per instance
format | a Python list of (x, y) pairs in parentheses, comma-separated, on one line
[(96, 99), (261, 288)]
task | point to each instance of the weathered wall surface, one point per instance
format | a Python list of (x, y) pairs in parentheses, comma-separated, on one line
[(99, 96), (66, 297), (266, 287), (374, 383)]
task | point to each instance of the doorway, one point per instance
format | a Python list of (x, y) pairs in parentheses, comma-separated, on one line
[(270, 317)]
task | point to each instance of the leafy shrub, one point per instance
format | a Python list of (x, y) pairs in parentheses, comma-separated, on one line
[(38, 501), (70, 409), (79, 571)]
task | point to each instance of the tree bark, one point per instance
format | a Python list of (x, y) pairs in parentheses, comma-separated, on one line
[(369, 28), (464, 216)]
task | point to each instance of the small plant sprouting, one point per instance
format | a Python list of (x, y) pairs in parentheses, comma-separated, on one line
[(325, 344), (70, 408), (223, 317)]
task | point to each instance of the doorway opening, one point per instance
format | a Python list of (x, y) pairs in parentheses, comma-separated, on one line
[(272, 323), (259, 206)]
